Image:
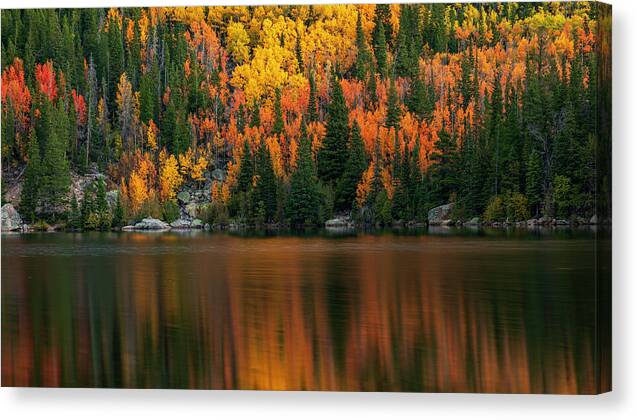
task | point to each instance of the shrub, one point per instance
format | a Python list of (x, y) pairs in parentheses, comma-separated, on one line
[(40, 226), (150, 208), (517, 207), (170, 211), (562, 195), (215, 213), (382, 209), (495, 211)]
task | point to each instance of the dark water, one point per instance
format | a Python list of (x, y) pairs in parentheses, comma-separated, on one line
[(453, 313)]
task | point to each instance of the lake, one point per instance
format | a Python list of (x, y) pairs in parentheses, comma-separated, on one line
[(437, 311)]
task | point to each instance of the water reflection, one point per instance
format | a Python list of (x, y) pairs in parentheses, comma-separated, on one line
[(367, 312)]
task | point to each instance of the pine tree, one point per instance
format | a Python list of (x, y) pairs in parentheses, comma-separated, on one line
[(444, 170), (380, 51), (534, 182), (75, 217), (118, 213), (394, 112), (246, 169), (278, 113), (115, 59), (312, 105), (255, 119), (334, 147), (304, 200), (299, 54), (265, 190), (31, 186), (88, 208), (372, 96), (356, 165), (363, 56), (55, 177), (407, 44)]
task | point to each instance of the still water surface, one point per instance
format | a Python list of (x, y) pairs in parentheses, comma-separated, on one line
[(466, 312)]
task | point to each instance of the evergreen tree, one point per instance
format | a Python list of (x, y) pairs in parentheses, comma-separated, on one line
[(31, 186), (265, 190), (304, 200), (334, 147), (88, 210), (118, 213), (255, 120), (299, 54), (394, 112), (312, 106), (115, 59), (278, 113), (75, 217), (407, 44), (403, 191), (246, 169), (363, 56), (356, 165), (534, 182), (55, 177), (444, 170), (380, 51), (372, 95)]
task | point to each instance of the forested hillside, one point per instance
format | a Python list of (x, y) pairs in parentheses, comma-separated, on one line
[(303, 112)]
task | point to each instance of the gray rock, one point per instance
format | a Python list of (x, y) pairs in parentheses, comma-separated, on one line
[(196, 224), (544, 220), (128, 228), (447, 222), (337, 223), (193, 209), (531, 222), (183, 197), (437, 215), (474, 222), (11, 219), (561, 222), (218, 175), (152, 224), (206, 226), (180, 224), (111, 198), (593, 220)]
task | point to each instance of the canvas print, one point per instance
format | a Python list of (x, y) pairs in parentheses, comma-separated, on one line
[(353, 197)]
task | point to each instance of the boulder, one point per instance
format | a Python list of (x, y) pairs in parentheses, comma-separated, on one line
[(593, 220), (196, 224), (151, 224), (447, 222), (337, 223), (438, 214), (193, 209), (111, 198), (545, 220), (218, 175), (531, 222), (11, 219), (473, 222), (183, 197), (180, 224), (561, 222)]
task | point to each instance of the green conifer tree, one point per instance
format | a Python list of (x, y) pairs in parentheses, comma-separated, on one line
[(304, 199), (356, 165), (330, 156)]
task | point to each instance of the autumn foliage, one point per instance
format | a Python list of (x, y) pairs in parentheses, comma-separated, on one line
[(451, 100)]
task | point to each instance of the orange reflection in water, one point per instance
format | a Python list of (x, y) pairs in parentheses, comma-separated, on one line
[(367, 313)]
